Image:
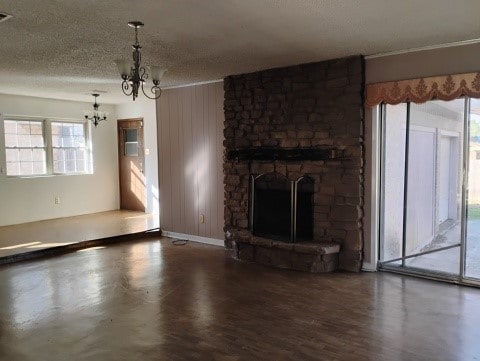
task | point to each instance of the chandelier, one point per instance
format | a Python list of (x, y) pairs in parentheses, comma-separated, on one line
[(135, 75), (95, 116)]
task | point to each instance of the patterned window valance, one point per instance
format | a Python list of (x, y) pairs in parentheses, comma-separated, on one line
[(421, 90)]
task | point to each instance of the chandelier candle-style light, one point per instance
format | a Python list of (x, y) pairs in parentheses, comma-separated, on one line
[(135, 75), (95, 116)]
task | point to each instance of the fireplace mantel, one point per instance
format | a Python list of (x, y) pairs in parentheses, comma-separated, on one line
[(284, 154)]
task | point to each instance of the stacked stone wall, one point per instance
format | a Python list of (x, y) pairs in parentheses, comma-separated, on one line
[(318, 105)]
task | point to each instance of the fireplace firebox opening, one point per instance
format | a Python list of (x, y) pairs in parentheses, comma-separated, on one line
[(281, 209)]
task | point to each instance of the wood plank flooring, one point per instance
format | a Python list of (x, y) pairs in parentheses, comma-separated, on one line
[(152, 300)]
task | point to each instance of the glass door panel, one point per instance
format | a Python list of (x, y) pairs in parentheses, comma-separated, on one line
[(439, 261), (393, 178), (472, 260), (422, 193), (434, 189)]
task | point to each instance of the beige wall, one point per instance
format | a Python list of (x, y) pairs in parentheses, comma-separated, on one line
[(190, 135), (450, 60)]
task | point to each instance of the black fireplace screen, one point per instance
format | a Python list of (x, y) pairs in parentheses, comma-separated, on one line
[(281, 209)]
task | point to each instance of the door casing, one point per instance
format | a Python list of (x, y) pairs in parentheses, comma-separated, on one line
[(131, 168)]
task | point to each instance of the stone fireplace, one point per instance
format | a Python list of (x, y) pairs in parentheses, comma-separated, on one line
[(294, 165)]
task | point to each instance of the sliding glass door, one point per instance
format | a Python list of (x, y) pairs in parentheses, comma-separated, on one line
[(472, 224), (430, 193)]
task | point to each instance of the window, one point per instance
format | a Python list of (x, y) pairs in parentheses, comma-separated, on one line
[(69, 148), (131, 142), (43, 147), (25, 148), (477, 154)]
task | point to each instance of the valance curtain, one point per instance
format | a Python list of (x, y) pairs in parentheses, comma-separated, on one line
[(421, 90)]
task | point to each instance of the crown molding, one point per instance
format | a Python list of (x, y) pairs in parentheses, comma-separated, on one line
[(423, 48)]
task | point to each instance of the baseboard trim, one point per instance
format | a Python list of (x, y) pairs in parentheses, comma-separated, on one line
[(369, 267), (193, 238)]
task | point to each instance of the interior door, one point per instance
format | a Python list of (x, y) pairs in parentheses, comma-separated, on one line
[(131, 164)]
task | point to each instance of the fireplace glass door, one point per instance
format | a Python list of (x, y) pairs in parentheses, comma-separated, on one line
[(272, 207), (282, 209)]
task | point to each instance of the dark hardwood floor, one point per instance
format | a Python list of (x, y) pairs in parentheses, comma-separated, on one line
[(152, 300)]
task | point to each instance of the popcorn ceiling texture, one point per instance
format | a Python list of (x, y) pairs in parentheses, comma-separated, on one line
[(65, 49)]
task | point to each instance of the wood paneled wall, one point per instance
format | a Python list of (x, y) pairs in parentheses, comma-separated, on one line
[(190, 144)]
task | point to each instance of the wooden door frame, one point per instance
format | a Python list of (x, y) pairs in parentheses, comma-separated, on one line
[(142, 147)]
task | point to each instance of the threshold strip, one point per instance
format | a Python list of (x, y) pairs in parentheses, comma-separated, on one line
[(420, 254)]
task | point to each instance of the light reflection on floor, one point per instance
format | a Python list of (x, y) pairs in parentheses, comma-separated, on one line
[(40, 235), (152, 300)]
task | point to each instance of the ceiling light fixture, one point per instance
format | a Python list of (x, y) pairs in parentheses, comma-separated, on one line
[(134, 75), (95, 116)]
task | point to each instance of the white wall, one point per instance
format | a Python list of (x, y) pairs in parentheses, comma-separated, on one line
[(31, 199), (145, 108)]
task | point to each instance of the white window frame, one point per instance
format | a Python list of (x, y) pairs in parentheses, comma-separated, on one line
[(47, 136), (45, 148), (51, 147)]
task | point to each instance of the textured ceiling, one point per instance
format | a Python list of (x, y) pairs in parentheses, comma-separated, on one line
[(65, 49)]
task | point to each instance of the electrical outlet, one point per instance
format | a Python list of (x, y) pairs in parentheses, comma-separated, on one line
[(202, 218), (57, 199)]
